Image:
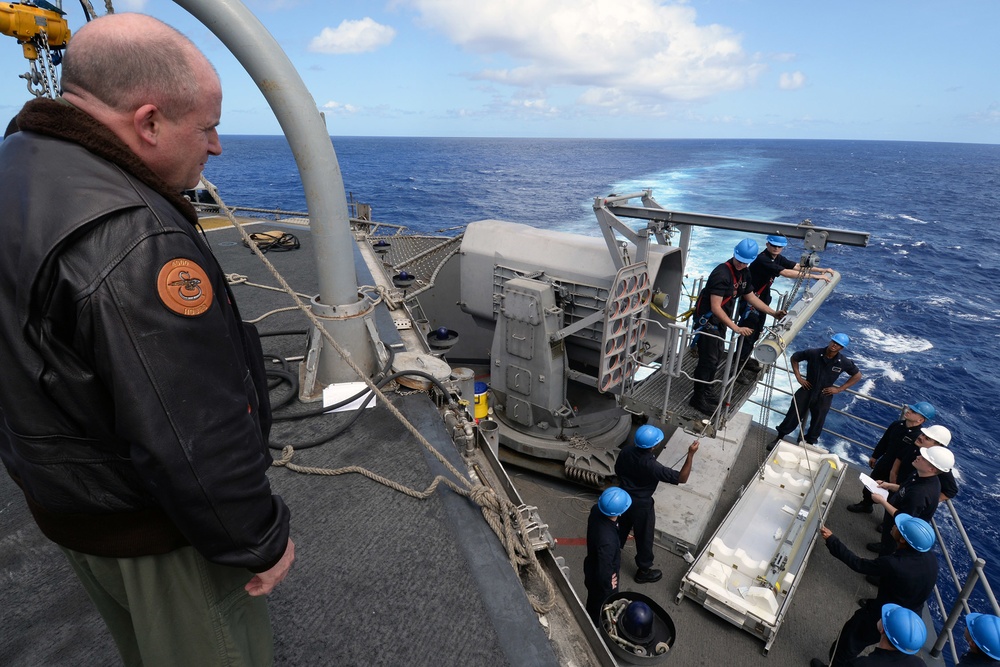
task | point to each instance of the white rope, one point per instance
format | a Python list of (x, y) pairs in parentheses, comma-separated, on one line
[(500, 513)]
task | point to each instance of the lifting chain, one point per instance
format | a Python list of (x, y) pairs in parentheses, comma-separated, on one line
[(41, 76), (804, 271)]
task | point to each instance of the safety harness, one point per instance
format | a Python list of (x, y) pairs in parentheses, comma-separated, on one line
[(703, 320)]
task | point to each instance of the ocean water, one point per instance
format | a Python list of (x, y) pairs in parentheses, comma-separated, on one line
[(918, 302)]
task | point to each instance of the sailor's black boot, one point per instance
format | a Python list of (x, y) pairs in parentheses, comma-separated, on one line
[(648, 576), (861, 508)]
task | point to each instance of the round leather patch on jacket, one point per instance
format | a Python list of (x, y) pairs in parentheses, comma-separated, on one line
[(184, 287)]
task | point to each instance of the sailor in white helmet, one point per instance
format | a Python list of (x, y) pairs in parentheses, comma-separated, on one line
[(897, 440), (918, 496), (929, 436)]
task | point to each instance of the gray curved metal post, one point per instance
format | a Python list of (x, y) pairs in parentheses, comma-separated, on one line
[(294, 107)]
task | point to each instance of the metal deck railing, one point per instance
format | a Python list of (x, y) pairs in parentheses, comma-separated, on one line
[(963, 587)]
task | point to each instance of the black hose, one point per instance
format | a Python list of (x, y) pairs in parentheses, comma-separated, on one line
[(357, 413), (327, 408)]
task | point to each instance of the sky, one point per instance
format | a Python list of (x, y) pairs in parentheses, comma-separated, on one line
[(913, 70)]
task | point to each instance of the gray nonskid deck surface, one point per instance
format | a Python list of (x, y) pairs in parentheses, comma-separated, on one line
[(826, 597), (380, 577)]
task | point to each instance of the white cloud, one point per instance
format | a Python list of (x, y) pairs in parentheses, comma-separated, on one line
[(618, 51), (792, 80), (990, 115), (353, 37), (337, 107), (535, 106)]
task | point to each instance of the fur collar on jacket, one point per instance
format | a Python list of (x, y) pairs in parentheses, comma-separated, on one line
[(61, 120)]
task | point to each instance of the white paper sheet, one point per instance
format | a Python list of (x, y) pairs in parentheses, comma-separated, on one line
[(872, 485), (335, 393)]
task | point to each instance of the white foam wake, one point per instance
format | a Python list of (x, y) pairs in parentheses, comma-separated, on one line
[(895, 343), (877, 368)]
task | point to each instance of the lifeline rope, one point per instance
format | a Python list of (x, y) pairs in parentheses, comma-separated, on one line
[(500, 513), (789, 374)]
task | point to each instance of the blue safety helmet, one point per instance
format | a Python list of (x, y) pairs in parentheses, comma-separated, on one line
[(777, 240), (647, 437), (985, 631), (746, 251), (841, 339), (637, 622), (614, 501), (924, 409), (918, 533), (904, 628)]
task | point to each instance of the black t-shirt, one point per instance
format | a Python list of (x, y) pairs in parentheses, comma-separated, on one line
[(918, 496), (822, 372), (897, 440), (764, 270), (639, 472), (727, 282), (604, 552)]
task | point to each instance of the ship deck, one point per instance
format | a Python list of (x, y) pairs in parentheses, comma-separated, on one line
[(382, 578), (826, 596)]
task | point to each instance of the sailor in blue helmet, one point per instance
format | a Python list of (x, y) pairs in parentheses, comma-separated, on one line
[(906, 578), (897, 440), (713, 317), (764, 269), (902, 634), (982, 631), (817, 389), (604, 553), (639, 473)]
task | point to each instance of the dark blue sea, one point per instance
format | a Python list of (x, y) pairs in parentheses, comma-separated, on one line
[(918, 303)]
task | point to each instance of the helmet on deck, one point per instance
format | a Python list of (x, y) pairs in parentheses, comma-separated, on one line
[(939, 457), (918, 533), (924, 409), (777, 240), (614, 501), (938, 433), (637, 622), (746, 251), (647, 437), (985, 631), (904, 628), (841, 339)]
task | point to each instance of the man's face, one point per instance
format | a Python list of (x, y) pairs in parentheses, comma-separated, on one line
[(775, 249), (923, 465), (833, 348), (924, 441), (187, 141), (914, 419), (739, 265)]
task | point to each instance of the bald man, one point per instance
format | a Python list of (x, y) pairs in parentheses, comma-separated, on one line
[(133, 409)]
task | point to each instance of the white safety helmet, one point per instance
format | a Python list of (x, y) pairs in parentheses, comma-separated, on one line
[(939, 457), (938, 433)]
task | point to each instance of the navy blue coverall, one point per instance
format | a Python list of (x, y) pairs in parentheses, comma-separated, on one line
[(639, 473), (604, 559), (906, 578)]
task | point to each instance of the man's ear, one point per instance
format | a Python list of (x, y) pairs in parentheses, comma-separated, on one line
[(147, 121)]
